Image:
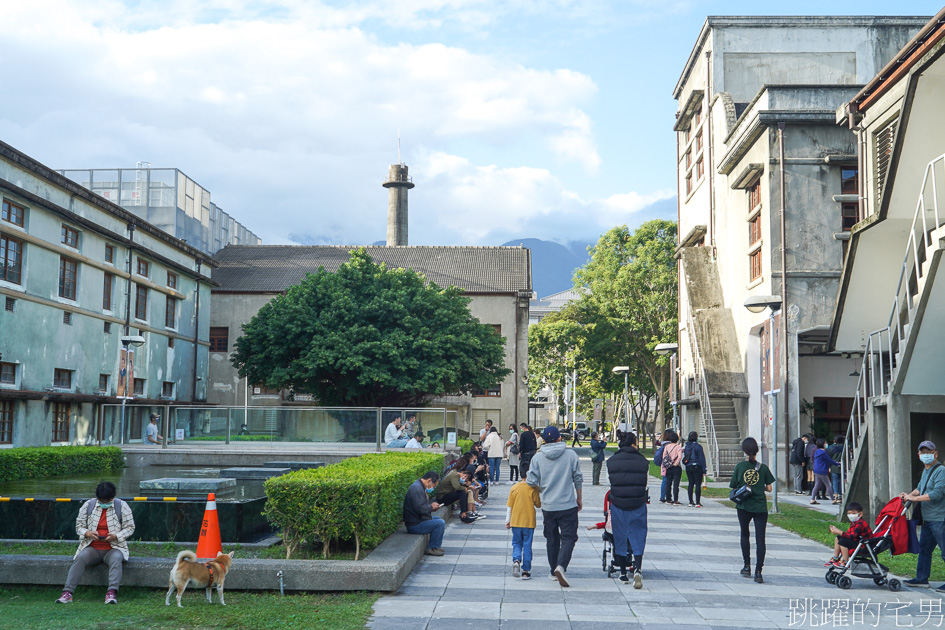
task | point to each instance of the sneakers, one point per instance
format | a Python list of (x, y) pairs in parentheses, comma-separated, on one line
[(832, 561), (553, 577), (111, 597), (624, 578), (691, 504), (526, 575), (940, 589), (516, 569), (758, 578), (479, 516), (468, 519), (637, 580), (65, 598), (698, 505), (562, 578), (914, 583), (746, 571), (676, 503), (434, 551)]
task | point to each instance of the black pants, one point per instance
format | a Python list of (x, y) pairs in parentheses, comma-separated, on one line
[(524, 460), (513, 473), (560, 536), (761, 521), (694, 474), (673, 477), (452, 497)]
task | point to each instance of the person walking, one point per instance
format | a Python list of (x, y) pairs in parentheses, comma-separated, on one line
[(513, 452), (835, 451), (799, 462), (822, 464), (628, 471), (495, 449), (754, 508), (556, 472), (694, 461), (809, 451), (597, 456), (658, 460), (520, 518), (929, 497), (671, 465), (575, 436), (527, 446)]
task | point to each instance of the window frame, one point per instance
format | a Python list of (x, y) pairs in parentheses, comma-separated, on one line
[(109, 254), (136, 390), (6, 422), (108, 285), (172, 280), (692, 158), (62, 415), (141, 302), (7, 214), (7, 368), (6, 269), (173, 387), (103, 379), (60, 376), (170, 312), (69, 236), (215, 337), (140, 264), (64, 284), (755, 265)]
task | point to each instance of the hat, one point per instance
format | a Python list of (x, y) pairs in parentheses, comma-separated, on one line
[(550, 434), (419, 435), (929, 444)]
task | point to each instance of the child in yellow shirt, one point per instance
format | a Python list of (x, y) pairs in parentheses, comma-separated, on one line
[(520, 518)]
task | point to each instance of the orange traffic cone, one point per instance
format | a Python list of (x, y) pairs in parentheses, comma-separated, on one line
[(209, 544)]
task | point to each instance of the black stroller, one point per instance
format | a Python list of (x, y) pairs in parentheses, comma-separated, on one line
[(864, 560), (607, 559)]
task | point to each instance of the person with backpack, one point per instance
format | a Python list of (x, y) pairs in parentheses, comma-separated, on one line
[(822, 464), (799, 462), (104, 525), (694, 461), (835, 451), (658, 461), (750, 480), (671, 465), (809, 450), (597, 456), (628, 471)]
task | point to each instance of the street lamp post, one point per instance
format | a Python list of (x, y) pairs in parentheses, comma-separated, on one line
[(625, 370), (125, 342), (663, 349)]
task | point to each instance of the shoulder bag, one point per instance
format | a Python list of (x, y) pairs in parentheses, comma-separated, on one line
[(741, 493)]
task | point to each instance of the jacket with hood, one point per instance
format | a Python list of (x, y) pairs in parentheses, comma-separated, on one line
[(417, 506), (556, 471), (629, 473)]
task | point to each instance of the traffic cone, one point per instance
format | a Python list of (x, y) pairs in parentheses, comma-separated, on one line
[(209, 544)]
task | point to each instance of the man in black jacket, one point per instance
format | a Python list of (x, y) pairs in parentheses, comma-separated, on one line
[(418, 513), (527, 446), (629, 472), (798, 462)]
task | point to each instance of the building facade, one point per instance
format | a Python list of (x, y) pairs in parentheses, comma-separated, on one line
[(77, 274), (763, 172)]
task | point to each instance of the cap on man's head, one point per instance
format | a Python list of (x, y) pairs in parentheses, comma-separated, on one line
[(154, 416), (929, 444), (550, 434), (419, 435)]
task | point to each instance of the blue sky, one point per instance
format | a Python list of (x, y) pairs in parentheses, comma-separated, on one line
[(546, 118)]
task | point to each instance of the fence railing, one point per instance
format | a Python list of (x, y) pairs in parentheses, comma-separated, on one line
[(706, 422)]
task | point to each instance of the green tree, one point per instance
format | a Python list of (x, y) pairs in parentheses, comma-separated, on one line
[(366, 335), (554, 350)]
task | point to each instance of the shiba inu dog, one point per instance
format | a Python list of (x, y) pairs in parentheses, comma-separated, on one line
[(187, 571)]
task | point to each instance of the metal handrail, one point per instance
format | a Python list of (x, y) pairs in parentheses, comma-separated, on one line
[(707, 424)]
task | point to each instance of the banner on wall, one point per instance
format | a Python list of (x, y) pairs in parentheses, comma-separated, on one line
[(126, 373), (771, 355)]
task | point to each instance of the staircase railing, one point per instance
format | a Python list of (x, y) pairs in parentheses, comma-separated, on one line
[(706, 422)]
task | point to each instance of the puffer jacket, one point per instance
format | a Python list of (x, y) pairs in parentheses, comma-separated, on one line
[(629, 473)]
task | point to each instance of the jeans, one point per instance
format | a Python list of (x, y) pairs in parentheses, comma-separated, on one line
[(673, 476), (798, 470), (597, 467), (835, 480), (761, 522), (494, 463), (522, 546), (89, 557), (663, 485), (560, 535), (398, 443), (435, 527), (932, 533), (695, 482), (629, 530)]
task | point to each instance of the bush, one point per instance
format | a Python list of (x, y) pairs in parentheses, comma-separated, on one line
[(56, 461), (235, 438), (464, 445), (360, 499)]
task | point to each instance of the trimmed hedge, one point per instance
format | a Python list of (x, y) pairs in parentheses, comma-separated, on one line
[(55, 461), (360, 499), (464, 445)]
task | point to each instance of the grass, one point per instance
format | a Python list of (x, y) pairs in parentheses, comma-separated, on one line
[(169, 550), (33, 608)]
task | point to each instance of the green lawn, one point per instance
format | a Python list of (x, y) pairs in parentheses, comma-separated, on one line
[(33, 607), (170, 550)]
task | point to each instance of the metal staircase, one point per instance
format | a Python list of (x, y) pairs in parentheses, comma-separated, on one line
[(706, 420)]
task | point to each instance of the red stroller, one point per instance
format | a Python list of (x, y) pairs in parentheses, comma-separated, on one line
[(864, 560)]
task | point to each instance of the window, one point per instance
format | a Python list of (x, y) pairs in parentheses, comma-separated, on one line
[(62, 379), (219, 339), (688, 182), (693, 163), (10, 304), (167, 390), (700, 170), (70, 237), (754, 261), (8, 373), (139, 387), (68, 270), (697, 118), (107, 292), (264, 390), (498, 329), (141, 302), (849, 182), (108, 328), (754, 196), (11, 259), (67, 318), (492, 392), (109, 253), (170, 313), (699, 143), (172, 280), (144, 268), (883, 141), (170, 342), (754, 230), (60, 428), (12, 213), (103, 382), (6, 421)]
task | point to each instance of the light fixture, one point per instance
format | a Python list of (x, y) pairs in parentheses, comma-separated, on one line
[(620, 369), (665, 348), (132, 341), (758, 303)]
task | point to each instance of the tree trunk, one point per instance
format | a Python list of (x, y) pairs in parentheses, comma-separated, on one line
[(357, 546)]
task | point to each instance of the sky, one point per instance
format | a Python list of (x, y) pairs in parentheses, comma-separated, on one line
[(545, 119)]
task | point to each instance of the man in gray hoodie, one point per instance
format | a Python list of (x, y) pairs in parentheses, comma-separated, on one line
[(556, 471)]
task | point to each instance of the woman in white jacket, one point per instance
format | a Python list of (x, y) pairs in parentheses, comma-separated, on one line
[(495, 449)]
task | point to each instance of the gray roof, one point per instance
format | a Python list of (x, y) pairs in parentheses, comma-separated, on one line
[(275, 268)]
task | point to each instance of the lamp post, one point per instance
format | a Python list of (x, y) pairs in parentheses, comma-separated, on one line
[(663, 349), (757, 304), (625, 370), (126, 341)]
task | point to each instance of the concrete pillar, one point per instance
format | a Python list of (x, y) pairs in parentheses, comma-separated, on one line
[(398, 183), (877, 435), (898, 432)]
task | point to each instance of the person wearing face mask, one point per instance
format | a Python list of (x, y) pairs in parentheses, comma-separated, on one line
[(929, 497), (418, 512), (846, 540)]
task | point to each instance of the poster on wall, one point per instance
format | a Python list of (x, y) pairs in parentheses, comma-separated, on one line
[(126, 373), (776, 352), (767, 426)]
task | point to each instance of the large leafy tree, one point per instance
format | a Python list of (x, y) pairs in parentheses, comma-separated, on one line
[(366, 335), (554, 350)]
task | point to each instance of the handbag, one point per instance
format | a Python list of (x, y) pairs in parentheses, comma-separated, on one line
[(741, 493), (514, 449)]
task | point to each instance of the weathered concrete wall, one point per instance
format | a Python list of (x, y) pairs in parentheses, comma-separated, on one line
[(231, 311)]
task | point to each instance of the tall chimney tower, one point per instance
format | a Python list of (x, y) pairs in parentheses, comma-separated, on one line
[(399, 183)]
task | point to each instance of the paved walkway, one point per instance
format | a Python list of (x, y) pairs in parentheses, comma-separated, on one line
[(691, 581)]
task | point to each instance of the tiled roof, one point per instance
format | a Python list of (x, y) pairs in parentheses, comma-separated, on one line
[(274, 268)]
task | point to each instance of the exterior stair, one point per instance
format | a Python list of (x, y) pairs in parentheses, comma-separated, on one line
[(728, 435)]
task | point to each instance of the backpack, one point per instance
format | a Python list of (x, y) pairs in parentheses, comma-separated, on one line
[(90, 507), (687, 454), (598, 455), (658, 456)]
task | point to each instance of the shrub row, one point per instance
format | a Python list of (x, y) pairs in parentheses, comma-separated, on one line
[(56, 461), (359, 499), (464, 445)]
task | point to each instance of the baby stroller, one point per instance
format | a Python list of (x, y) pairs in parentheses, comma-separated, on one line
[(607, 560), (864, 560)]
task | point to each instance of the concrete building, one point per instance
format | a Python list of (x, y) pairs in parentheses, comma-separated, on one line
[(497, 279), (762, 170), (891, 305), (77, 274), (167, 199), (539, 308)]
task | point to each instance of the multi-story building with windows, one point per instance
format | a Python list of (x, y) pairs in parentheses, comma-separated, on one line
[(78, 274), (167, 199)]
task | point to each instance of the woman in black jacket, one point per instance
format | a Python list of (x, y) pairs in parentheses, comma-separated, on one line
[(694, 461), (628, 471), (527, 446)]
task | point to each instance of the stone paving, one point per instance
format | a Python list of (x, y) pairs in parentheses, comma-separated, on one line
[(691, 580)]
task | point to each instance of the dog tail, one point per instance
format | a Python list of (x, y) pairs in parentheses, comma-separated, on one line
[(189, 556)]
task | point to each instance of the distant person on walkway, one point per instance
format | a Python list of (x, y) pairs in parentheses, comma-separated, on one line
[(484, 432), (418, 512), (103, 537), (151, 434), (575, 436), (628, 471), (694, 461), (495, 449), (513, 451), (393, 436), (416, 441), (658, 460), (672, 467), (527, 446), (799, 462), (929, 496), (597, 456), (520, 518), (758, 477), (809, 451), (835, 451), (556, 472), (822, 464)]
